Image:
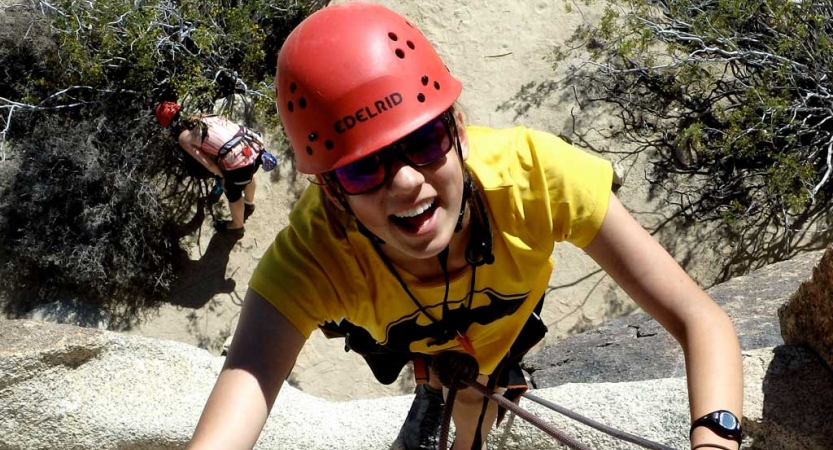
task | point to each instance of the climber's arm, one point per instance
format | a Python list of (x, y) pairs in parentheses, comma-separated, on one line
[(262, 354), (639, 264)]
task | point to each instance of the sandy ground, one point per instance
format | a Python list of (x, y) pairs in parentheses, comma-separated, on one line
[(501, 50)]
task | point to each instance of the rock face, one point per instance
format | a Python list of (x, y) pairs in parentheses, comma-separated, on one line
[(807, 318), (637, 348), (787, 388), (70, 388), (64, 387), (78, 388), (786, 406)]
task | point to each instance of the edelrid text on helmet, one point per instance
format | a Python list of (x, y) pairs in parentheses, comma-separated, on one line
[(368, 112), (165, 113), (353, 78)]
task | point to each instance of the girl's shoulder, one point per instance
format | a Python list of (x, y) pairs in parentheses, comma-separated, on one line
[(504, 157), (515, 145), (501, 153), (486, 139)]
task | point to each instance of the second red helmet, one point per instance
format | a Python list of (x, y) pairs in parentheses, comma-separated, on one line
[(165, 113), (353, 78)]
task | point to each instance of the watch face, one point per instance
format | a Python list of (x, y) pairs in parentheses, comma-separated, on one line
[(727, 421)]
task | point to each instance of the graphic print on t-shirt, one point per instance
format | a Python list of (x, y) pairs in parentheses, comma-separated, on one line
[(406, 330)]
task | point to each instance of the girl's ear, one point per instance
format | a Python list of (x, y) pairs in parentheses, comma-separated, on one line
[(461, 133), (328, 191)]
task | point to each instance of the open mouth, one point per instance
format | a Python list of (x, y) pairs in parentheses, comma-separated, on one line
[(413, 219)]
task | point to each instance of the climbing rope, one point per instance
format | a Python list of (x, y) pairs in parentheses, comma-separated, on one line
[(557, 434), (455, 370), (642, 442), (446, 423)]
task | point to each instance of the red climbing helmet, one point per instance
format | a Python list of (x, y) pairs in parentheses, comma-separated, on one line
[(165, 113), (353, 78)]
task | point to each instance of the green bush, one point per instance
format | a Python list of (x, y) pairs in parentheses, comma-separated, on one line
[(735, 94), (94, 196), (81, 216)]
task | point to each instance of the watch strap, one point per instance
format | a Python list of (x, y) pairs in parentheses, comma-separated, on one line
[(710, 446), (716, 421)]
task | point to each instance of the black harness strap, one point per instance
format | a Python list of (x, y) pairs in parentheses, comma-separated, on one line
[(231, 143)]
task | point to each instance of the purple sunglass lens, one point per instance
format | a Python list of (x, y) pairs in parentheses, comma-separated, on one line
[(429, 143), (362, 175)]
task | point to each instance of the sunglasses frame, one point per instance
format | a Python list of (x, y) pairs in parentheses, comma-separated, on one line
[(391, 153)]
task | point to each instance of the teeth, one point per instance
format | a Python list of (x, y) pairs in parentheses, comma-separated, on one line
[(416, 210)]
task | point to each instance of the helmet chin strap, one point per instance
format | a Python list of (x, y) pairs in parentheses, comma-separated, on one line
[(479, 248), (466, 193)]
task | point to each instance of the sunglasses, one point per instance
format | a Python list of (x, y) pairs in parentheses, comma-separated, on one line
[(427, 145)]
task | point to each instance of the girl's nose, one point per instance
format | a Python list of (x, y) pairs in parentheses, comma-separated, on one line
[(405, 178)]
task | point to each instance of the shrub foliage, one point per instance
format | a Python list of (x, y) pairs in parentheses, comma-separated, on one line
[(735, 94), (93, 194), (80, 215)]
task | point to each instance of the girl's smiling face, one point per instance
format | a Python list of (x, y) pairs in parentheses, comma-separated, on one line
[(416, 210)]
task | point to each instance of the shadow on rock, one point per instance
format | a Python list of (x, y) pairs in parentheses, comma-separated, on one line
[(797, 394), (204, 278)]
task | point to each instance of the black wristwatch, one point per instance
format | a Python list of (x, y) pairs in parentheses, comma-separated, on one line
[(723, 423)]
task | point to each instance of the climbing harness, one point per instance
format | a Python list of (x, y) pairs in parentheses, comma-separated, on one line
[(455, 370), (244, 135), (252, 141), (230, 144)]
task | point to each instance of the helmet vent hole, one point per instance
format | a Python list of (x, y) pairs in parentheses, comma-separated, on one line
[(292, 87), (302, 102), (424, 80), (290, 106), (421, 98), (437, 85), (309, 150), (329, 144), (312, 137), (393, 36), (411, 45), (400, 53)]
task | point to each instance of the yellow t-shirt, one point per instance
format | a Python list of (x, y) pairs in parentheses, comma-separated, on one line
[(538, 190)]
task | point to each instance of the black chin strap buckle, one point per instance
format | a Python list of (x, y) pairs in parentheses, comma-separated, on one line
[(479, 253)]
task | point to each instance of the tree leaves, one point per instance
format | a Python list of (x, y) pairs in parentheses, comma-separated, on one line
[(743, 85), (94, 196)]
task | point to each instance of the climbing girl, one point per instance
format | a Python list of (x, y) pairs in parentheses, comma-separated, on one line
[(427, 236)]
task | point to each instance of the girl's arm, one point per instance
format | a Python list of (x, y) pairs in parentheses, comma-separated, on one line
[(186, 141), (262, 354), (640, 265)]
